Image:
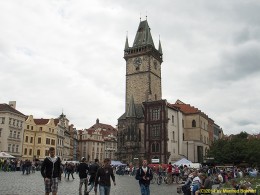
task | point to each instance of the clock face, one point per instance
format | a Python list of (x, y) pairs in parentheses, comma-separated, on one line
[(137, 62)]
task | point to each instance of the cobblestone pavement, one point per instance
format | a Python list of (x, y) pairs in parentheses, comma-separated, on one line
[(14, 183)]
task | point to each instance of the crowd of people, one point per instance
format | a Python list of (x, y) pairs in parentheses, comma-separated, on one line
[(25, 166), (92, 175)]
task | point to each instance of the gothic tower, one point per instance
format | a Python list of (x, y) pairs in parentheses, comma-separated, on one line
[(143, 84), (143, 67)]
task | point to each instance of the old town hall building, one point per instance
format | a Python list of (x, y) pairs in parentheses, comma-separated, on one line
[(151, 128), (141, 131)]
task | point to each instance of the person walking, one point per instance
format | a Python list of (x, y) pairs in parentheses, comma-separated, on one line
[(103, 178), (83, 175), (144, 174), (50, 171), (70, 170), (92, 171)]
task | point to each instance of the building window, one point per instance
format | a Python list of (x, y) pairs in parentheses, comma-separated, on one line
[(3, 120), (26, 139), (28, 127), (173, 136), (25, 151), (18, 135), (30, 152), (31, 127), (182, 123), (10, 121), (155, 131), (11, 133), (46, 152), (155, 147), (31, 141), (193, 123), (48, 141), (17, 148), (49, 129), (14, 134), (155, 114), (0, 132), (39, 140), (9, 147), (38, 152), (21, 123), (53, 142), (172, 119), (13, 148), (40, 128)]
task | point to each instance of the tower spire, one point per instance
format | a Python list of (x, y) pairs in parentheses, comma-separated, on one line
[(160, 46), (126, 41), (131, 108)]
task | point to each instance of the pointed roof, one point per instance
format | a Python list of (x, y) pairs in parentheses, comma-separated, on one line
[(131, 112), (143, 35), (126, 43), (160, 47)]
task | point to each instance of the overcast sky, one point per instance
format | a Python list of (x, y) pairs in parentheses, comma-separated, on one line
[(68, 55)]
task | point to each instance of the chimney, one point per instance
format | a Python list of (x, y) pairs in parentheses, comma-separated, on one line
[(12, 104), (97, 121)]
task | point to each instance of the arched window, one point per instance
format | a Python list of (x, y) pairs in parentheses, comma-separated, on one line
[(155, 147), (193, 123)]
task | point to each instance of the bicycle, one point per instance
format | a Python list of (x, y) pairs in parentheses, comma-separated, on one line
[(162, 178)]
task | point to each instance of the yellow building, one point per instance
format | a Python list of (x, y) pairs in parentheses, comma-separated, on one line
[(30, 130), (39, 136)]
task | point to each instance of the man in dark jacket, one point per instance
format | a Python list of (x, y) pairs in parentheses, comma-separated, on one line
[(50, 171), (103, 178), (92, 172), (144, 175), (83, 175)]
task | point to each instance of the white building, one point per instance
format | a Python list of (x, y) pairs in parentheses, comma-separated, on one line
[(11, 129)]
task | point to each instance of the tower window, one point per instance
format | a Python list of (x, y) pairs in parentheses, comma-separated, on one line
[(193, 123)]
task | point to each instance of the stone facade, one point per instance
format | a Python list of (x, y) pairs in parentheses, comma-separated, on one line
[(143, 85)]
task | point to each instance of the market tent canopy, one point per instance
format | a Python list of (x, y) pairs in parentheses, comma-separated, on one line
[(182, 161), (116, 163), (5, 155)]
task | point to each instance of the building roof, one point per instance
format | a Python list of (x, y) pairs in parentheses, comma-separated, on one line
[(187, 108), (42, 121), (8, 108), (143, 35), (138, 111), (105, 129)]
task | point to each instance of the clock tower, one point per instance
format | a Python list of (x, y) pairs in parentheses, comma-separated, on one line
[(143, 87), (143, 67)]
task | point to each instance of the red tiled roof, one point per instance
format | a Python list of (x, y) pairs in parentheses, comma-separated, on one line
[(8, 108), (43, 121), (187, 108)]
